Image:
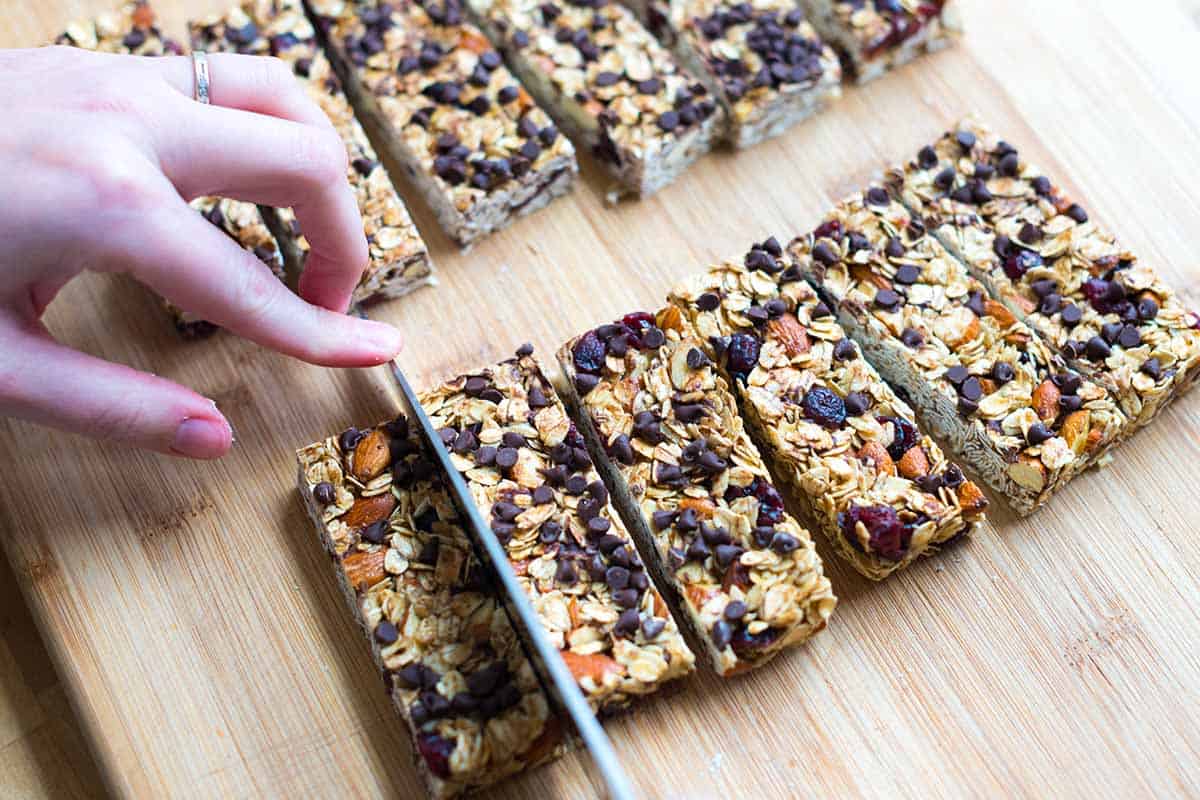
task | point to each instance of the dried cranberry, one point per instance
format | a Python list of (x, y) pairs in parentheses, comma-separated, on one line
[(741, 355), (745, 643), (824, 407), (638, 324), (770, 503), (1107, 297), (589, 353), (904, 436), (830, 228), (436, 752), (1019, 262), (888, 538)]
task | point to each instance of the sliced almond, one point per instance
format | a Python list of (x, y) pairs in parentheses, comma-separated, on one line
[(1075, 430), (681, 372), (971, 499), (1029, 473), (914, 464), (877, 454), (593, 665), (788, 331), (371, 456), (365, 568), (369, 510), (670, 319), (1045, 400), (999, 312), (703, 507)]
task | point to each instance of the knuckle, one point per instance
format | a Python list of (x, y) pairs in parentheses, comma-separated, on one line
[(258, 292), (275, 75), (115, 178)]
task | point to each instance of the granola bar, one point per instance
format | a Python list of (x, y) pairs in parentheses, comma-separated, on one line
[(1107, 313), (131, 30), (980, 377), (877, 35), (478, 148), (608, 83), (399, 260), (880, 489), (452, 661), (693, 489), (761, 59), (529, 471)]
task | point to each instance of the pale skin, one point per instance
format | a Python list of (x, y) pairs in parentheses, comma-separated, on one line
[(99, 155)]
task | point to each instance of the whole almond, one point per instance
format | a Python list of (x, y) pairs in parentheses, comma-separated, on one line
[(1045, 400), (1029, 473), (999, 312), (971, 499), (877, 454), (670, 319), (592, 665), (703, 507), (364, 568), (369, 510), (914, 464), (371, 456), (1075, 430), (788, 331)]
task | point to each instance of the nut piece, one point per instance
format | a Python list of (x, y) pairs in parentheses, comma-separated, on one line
[(1045, 400), (877, 454), (592, 665), (1028, 472), (791, 334), (1075, 430), (670, 319), (971, 498), (999, 312), (369, 510), (914, 464), (365, 568), (703, 507), (371, 456)]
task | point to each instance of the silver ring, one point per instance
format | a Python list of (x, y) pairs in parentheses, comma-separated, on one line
[(200, 70)]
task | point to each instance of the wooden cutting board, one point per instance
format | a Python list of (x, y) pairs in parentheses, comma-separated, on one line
[(197, 625)]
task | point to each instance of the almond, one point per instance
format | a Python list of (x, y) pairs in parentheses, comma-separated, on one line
[(660, 606), (1029, 473), (1027, 305), (971, 499), (989, 386), (549, 739), (364, 568), (1093, 440), (369, 510), (593, 665), (143, 16), (670, 319), (703, 507), (914, 463), (968, 333), (1017, 337), (698, 595), (1045, 400), (790, 333), (1075, 430), (371, 456), (864, 274), (877, 454), (999, 312)]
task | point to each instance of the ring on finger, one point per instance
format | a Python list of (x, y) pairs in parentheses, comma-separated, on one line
[(200, 89)]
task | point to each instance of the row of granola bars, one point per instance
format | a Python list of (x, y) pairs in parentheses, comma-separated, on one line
[(641, 509), (478, 145)]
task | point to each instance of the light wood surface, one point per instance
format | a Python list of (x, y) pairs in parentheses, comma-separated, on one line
[(198, 631)]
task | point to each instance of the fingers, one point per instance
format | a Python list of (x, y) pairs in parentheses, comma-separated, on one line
[(45, 382), (213, 277)]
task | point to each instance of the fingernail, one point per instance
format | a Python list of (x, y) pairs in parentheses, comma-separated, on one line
[(202, 438)]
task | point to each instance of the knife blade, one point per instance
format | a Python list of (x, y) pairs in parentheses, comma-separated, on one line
[(493, 554)]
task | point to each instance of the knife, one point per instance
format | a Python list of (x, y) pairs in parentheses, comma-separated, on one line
[(492, 553)]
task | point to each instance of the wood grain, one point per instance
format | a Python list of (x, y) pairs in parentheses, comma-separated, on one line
[(198, 630)]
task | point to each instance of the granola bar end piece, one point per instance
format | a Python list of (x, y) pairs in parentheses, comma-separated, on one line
[(531, 475), (762, 60), (877, 35), (876, 485), (454, 666), (981, 378), (608, 84), (472, 140), (693, 489), (1105, 311), (399, 260)]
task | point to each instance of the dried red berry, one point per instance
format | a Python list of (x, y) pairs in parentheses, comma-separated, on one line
[(904, 436), (1019, 262), (824, 407), (436, 752), (888, 538), (770, 503), (589, 353), (741, 355)]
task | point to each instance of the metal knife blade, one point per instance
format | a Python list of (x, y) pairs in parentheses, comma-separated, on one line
[(493, 554)]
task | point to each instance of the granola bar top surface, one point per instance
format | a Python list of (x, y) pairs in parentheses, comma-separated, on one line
[(447, 93), (745, 570), (756, 50), (598, 56), (880, 489), (130, 30), (879, 25), (530, 473), (451, 658), (1040, 252), (280, 28), (883, 266)]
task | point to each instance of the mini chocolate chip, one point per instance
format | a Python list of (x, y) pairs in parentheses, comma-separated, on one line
[(722, 634), (652, 627), (984, 171), (349, 438), (1003, 372), (1147, 308), (1071, 315), (708, 301), (824, 254), (1097, 349), (324, 493), (584, 382), (542, 495), (621, 449), (1111, 331), (576, 485), (1039, 433), (927, 157), (965, 139), (1130, 337), (598, 526), (386, 633), (784, 543), (566, 574), (877, 196), (908, 274), (857, 404), (1076, 212), (735, 610), (912, 338), (844, 350), (550, 532), (1029, 233), (376, 532), (820, 310), (669, 120), (967, 407), (971, 389), (887, 298), (1152, 367), (627, 623), (975, 303), (1010, 164), (1070, 402), (944, 179)]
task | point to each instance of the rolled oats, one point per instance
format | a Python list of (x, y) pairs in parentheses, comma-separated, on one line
[(694, 490), (608, 83), (835, 431), (1106, 313), (980, 377), (475, 143), (131, 30), (877, 35), (399, 260), (454, 665), (530, 473), (761, 59)]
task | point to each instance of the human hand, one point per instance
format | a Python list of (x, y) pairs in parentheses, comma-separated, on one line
[(99, 155)]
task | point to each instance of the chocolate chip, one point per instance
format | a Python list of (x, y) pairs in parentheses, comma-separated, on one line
[(376, 532), (971, 389), (984, 171), (1039, 433), (975, 302), (1129, 337), (877, 196), (823, 253), (1147, 308), (627, 623), (652, 627), (965, 139), (584, 382), (887, 298), (944, 179), (1111, 331), (1029, 233), (669, 120), (967, 407), (1068, 382), (1097, 349), (844, 350), (708, 302), (349, 438), (1071, 315), (1010, 165), (1152, 367), (662, 520), (324, 493), (722, 634), (927, 157), (565, 573), (857, 404), (735, 610), (1003, 372), (1076, 212), (1070, 402), (820, 310), (907, 274), (912, 338), (598, 526)]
